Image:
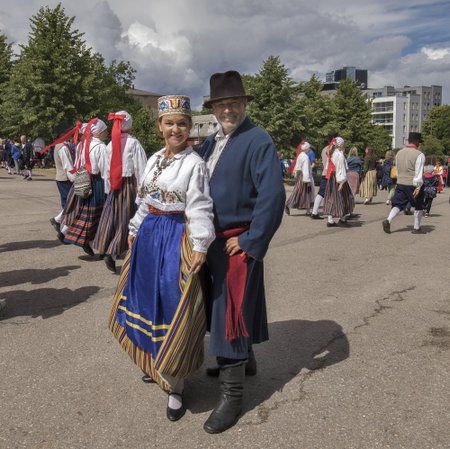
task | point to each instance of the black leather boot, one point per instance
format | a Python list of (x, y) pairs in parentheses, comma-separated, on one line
[(250, 367), (227, 411)]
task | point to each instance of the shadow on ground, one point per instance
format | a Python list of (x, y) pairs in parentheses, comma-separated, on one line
[(294, 345), (44, 302), (29, 244), (425, 228), (35, 275)]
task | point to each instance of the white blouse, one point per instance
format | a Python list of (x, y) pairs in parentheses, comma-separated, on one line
[(181, 186), (66, 160), (134, 159), (303, 164), (97, 156), (340, 163)]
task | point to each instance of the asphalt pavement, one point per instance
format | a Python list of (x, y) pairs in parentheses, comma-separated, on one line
[(358, 356)]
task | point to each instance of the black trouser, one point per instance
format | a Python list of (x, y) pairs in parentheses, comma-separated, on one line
[(427, 204)]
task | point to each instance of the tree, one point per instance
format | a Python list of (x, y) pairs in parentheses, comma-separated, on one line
[(144, 129), (437, 125), (352, 119), (58, 77), (432, 146), (275, 105), (6, 62), (314, 112)]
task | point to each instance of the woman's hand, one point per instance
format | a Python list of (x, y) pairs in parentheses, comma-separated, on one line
[(131, 238), (341, 185), (197, 260), (232, 246)]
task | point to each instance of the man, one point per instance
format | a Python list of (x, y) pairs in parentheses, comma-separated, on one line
[(248, 193), (409, 162)]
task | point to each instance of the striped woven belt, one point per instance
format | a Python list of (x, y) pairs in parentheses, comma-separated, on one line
[(155, 211)]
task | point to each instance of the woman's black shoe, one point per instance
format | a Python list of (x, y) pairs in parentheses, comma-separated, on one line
[(88, 250), (175, 414)]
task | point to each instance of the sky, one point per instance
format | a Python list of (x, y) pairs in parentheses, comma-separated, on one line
[(176, 45)]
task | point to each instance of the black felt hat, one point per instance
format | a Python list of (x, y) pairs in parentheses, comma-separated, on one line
[(226, 85), (415, 137)]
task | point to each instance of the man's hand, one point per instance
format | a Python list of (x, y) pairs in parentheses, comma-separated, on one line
[(197, 260), (232, 246), (131, 238), (416, 192)]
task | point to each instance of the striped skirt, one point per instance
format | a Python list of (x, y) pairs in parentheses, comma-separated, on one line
[(302, 196), (83, 227), (338, 203), (353, 181), (120, 207), (70, 209), (369, 185), (158, 315)]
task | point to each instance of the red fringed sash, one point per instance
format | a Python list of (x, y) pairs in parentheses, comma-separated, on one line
[(236, 281), (115, 172)]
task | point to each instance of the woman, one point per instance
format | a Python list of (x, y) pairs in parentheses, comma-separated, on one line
[(354, 170), (158, 315), (438, 172), (84, 225), (303, 194), (339, 201), (387, 182), (369, 184), (125, 162)]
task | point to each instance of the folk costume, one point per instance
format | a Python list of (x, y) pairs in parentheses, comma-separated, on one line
[(369, 184), (430, 188), (303, 194), (410, 163), (84, 225), (354, 171), (248, 193), (337, 203), (158, 315), (323, 180), (125, 161)]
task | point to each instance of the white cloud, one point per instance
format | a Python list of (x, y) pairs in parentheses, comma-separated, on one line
[(176, 46)]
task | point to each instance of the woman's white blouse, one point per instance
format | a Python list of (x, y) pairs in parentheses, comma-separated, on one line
[(97, 156), (303, 164), (339, 162), (182, 186), (134, 159)]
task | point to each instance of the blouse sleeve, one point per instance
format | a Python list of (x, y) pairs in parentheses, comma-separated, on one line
[(199, 209), (341, 172), (418, 172), (139, 161), (66, 161), (305, 169)]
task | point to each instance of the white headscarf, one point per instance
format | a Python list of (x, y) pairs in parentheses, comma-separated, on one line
[(98, 128), (306, 146), (127, 122)]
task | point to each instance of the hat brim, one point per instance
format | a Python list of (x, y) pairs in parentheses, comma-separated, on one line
[(208, 104)]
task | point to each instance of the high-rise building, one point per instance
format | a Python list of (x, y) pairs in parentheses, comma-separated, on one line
[(402, 110), (332, 79)]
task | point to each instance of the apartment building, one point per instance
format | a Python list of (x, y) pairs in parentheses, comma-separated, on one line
[(402, 110)]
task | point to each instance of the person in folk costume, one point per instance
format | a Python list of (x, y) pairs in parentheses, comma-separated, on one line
[(64, 163), (339, 200), (126, 160), (438, 170), (303, 194), (82, 229), (26, 149), (248, 193), (158, 315), (430, 187), (408, 192), (369, 184), (323, 180)]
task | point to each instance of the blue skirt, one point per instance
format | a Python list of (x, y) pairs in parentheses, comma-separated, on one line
[(152, 292)]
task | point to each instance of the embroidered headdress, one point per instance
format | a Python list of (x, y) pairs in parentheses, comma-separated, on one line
[(174, 104)]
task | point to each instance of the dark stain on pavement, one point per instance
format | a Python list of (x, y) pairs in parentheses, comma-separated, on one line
[(44, 302), (29, 244), (35, 275)]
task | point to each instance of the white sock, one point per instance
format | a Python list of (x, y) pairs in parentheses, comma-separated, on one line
[(330, 219), (317, 203), (58, 218), (394, 212), (175, 401), (417, 218), (64, 229), (343, 219)]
